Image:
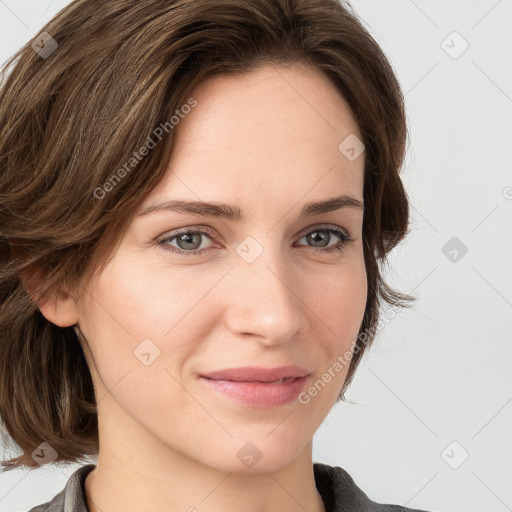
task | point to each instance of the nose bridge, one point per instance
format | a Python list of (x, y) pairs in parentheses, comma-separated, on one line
[(264, 300)]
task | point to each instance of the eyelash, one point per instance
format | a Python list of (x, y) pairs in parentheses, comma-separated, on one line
[(345, 239)]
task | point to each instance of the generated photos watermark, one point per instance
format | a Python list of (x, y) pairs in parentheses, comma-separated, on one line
[(101, 191)]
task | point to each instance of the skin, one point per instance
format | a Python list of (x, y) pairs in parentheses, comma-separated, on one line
[(266, 141)]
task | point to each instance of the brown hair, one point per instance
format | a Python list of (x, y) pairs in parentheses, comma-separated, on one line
[(74, 110)]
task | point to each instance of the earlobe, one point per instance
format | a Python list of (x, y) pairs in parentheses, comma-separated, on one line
[(58, 307)]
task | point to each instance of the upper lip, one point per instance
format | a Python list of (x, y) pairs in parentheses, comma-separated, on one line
[(257, 374)]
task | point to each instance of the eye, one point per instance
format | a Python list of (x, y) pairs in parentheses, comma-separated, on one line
[(189, 241), (323, 236)]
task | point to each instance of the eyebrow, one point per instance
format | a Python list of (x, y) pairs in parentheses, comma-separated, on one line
[(234, 212)]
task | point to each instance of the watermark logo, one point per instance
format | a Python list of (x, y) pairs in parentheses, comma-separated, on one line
[(44, 454), (44, 45), (351, 147), (146, 352), (454, 45), (249, 249), (454, 249), (249, 454), (455, 455)]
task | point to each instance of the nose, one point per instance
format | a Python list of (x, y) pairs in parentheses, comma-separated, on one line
[(265, 299)]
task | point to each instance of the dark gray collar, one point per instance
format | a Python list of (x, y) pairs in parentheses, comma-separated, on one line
[(72, 497)]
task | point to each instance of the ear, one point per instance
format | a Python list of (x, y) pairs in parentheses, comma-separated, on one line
[(59, 307)]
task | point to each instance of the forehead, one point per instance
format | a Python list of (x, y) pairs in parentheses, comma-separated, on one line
[(262, 134)]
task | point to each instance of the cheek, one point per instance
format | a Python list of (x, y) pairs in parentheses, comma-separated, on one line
[(128, 314), (137, 313), (339, 302), (152, 300)]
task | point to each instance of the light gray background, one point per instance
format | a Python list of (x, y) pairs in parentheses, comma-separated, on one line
[(438, 373)]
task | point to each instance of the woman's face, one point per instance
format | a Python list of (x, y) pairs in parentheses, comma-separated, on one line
[(256, 291)]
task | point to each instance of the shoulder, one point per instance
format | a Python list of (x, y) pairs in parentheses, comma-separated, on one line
[(340, 492), (72, 497)]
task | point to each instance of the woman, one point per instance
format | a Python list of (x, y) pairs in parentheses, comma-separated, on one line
[(196, 198)]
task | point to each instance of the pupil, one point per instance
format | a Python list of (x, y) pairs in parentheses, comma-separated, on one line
[(188, 239), (317, 236)]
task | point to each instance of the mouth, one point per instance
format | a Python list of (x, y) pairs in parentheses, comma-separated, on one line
[(259, 374), (263, 394)]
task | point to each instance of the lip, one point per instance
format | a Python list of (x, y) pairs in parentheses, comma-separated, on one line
[(257, 373), (258, 387)]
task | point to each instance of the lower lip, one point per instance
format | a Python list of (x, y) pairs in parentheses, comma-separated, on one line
[(258, 394)]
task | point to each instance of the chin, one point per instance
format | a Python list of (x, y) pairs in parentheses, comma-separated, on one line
[(264, 454)]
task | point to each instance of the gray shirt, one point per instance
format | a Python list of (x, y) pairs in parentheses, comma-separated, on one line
[(337, 488)]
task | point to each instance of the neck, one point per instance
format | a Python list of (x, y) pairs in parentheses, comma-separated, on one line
[(149, 474)]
